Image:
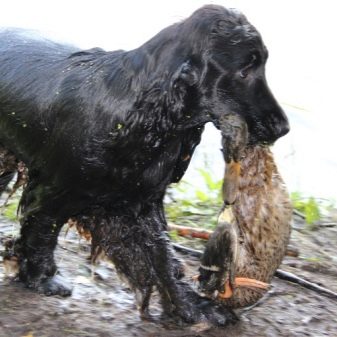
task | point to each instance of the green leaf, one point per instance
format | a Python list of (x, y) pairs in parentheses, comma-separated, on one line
[(10, 211), (308, 206), (312, 212), (173, 235), (210, 183), (202, 196)]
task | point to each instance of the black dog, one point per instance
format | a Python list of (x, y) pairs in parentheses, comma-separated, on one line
[(104, 133)]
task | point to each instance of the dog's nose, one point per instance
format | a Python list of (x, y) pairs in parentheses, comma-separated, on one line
[(282, 129)]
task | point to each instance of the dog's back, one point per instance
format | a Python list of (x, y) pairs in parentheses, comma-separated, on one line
[(25, 58), (27, 63)]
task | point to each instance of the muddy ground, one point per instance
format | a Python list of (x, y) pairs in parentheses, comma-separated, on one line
[(101, 305)]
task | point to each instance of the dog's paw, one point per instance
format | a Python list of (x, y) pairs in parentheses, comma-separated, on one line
[(215, 313), (182, 315), (192, 308), (52, 286)]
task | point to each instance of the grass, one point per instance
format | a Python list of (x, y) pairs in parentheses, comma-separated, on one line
[(10, 210), (201, 208), (312, 208)]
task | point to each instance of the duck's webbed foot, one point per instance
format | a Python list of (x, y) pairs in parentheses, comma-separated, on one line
[(217, 267)]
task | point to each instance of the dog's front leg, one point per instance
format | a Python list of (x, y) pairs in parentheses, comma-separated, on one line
[(179, 301), (140, 249), (174, 299)]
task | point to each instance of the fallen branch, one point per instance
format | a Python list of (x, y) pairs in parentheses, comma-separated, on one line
[(281, 274), (198, 233), (290, 277)]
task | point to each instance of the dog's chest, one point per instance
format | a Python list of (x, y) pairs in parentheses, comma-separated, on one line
[(146, 167)]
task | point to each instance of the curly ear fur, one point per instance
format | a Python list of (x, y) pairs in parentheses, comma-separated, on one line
[(183, 82)]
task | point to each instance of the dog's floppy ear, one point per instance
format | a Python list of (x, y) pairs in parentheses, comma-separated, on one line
[(186, 74), (185, 77)]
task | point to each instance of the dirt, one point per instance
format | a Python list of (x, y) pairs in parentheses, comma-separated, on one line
[(101, 305)]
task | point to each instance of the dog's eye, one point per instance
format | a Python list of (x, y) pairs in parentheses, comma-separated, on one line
[(243, 73), (251, 64)]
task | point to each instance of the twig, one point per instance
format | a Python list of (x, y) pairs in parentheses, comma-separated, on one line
[(298, 213), (69, 250), (327, 224), (284, 275), (188, 251)]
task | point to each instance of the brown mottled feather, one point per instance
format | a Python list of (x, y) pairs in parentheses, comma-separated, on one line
[(262, 214)]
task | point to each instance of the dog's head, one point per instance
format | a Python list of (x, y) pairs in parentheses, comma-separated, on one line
[(223, 71)]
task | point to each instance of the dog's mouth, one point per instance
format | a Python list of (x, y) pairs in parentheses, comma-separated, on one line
[(254, 140), (267, 135), (235, 136)]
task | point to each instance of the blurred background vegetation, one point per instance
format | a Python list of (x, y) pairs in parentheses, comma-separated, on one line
[(198, 205), (203, 204)]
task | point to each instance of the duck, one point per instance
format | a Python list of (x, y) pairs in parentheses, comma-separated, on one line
[(253, 230)]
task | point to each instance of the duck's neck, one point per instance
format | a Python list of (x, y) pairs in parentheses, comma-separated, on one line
[(255, 185)]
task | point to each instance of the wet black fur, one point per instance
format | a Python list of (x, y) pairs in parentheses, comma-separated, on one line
[(104, 133), (8, 167)]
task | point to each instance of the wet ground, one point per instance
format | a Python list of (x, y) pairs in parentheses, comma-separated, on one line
[(102, 306)]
